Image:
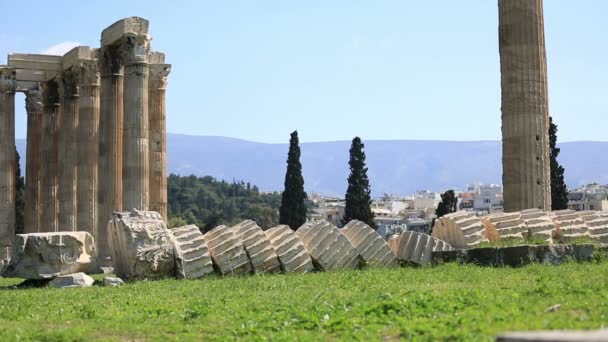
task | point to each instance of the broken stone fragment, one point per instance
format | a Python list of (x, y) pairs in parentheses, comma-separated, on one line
[(416, 247), (192, 259), (227, 251), (291, 252), (49, 255), (141, 245), (259, 249), (72, 280), (112, 281), (460, 229), (328, 247)]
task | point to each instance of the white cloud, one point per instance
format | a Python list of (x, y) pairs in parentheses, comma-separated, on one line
[(60, 49)]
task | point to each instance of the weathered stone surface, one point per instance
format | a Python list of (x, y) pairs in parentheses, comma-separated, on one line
[(554, 336), (416, 247), (569, 224), (372, 248), (597, 223), (227, 252), (525, 110), (507, 226), (192, 259), (72, 280), (291, 252), (460, 229), (141, 245), (49, 255), (112, 281), (259, 249), (539, 224), (329, 249)]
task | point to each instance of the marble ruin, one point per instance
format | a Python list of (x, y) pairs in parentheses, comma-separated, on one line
[(525, 109), (416, 247), (258, 247), (372, 249), (329, 249), (192, 258), (460, 229), (227, 251), (96, 136), (292, 254)]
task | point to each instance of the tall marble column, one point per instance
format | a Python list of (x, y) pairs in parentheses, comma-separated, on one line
[(67, 170), (7, 162), (110, 142), (32, 214), (525, 109), (157, 86), (87, 144), (135, 130), (51, 118)]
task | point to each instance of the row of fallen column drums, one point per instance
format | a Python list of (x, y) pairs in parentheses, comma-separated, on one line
[(143, 247), (466, 230)]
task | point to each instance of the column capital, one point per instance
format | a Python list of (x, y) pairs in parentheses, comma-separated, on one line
[(111, 61), (70, 83), (135, 49), (51, 93), (8, 81), (160, 72), (33, 101), (87, 72)]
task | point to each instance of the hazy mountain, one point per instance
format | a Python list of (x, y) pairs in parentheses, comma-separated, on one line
[(396, 167)]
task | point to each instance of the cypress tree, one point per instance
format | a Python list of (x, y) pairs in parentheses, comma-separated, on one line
[(19, 196), (559, 191), (293, 199), (358, 200), (448, 204)]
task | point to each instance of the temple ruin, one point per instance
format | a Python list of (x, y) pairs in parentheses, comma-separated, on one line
[(525, 110), (96, 136)]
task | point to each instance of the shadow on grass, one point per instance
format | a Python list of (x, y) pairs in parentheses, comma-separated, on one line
[(27, 284)]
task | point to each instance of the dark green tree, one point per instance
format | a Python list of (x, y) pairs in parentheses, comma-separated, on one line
[(293, 200), (448, 204), (358, 200), (19, 196), (559, 191)]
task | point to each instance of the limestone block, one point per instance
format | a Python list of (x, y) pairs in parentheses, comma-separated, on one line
[(290, 250), (72, 280), (460, 229), (569, 224), (507, 225), (597, 223), (49, 255), (416, 247), (192, 259), (112, 281), (369, 244), (539, 224), (227, 252), (328, 247), (259, 249), (141, 245)]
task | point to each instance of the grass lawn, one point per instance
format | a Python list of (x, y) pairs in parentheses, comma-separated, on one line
[(448, 302)]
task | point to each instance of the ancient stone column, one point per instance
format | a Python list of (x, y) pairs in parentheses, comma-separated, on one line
[(32, 214), (67, 171), (525, 112), (87, 144), (157, 85), (51, 118), (110, 142), (7, 161), (135, 130)]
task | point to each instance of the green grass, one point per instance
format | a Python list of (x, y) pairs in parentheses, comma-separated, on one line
[(448, 302)]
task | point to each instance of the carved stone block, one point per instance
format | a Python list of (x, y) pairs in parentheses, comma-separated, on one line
[(460, 229), (374, 251), (259, 249), (329, 249), (192, 259), (291, 252), (416, 247), (227, 252)]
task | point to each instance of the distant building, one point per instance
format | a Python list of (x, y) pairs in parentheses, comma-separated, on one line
[(589, 197)]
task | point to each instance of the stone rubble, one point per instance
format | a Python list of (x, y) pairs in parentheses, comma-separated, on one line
[(597, 222), (112, 281), (460, 229), (192, 259), (72, 280), (328, 247), (259, 249), (570, 224), (416, 247), (539, 224), (507, 226), (227, 252)]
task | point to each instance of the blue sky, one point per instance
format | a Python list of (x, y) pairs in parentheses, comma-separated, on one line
[(257, 70)]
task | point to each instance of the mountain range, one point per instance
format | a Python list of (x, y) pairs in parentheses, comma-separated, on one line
[(394, 166)]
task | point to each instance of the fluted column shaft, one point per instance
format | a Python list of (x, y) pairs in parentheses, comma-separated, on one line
[(157, 85), (110, 143), (7, 162), (87, 144), (67, 170), (135, 134), (51, 120), (33, 209), (525, 109)]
